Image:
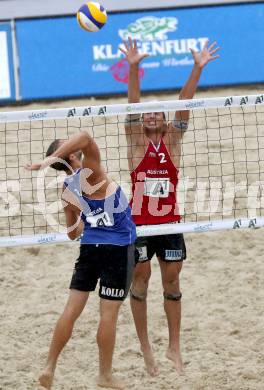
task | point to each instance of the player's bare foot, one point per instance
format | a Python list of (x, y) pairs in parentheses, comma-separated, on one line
[(177, 360), (110, 382), (46, 379), (150, 362)]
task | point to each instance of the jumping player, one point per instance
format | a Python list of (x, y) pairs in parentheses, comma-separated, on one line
[(154, 151), (97, 208)]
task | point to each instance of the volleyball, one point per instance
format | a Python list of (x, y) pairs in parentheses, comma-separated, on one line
[(92, 16)]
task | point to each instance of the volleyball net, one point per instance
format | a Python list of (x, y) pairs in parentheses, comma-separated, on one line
[(221, 165)]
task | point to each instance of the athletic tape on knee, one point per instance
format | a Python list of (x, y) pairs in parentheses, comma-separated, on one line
[(172, 297), (138, 297)]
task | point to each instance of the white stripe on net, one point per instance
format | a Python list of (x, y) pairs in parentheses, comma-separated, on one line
[(123, 109), (142, 231)]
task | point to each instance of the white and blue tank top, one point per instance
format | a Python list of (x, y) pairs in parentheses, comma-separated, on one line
[(106, 221)]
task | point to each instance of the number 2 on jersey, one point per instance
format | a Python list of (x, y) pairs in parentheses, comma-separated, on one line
[(162, 158)]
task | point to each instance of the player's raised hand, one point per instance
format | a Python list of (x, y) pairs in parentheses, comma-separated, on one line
[(41, 164), (206, 55), (130, 50), (33, 167)]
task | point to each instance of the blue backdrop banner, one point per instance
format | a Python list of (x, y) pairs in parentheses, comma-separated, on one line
[(7, 87), (58, 58)]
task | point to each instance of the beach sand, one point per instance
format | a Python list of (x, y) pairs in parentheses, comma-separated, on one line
[(222, 324)]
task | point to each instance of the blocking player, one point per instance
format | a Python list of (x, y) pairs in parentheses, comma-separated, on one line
[(97, 208), (154, 151)]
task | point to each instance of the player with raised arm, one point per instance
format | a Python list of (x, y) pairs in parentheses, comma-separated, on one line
[(154, 151), (97, 208)]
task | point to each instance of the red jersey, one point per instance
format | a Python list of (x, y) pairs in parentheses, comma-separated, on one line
[(154, 184)]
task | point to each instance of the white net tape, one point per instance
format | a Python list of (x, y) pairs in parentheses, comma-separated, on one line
[(136, 108)]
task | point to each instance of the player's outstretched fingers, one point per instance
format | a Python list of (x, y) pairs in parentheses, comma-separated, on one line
[(212, 46), (122, 50), (130, 42), (214, 51)]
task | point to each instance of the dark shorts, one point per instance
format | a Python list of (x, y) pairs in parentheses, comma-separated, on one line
[(167, 247), (112, 264)]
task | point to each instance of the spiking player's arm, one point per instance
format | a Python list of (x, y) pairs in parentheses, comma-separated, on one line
[(79, 142), (201, 59), (133, 57), (72, 209)]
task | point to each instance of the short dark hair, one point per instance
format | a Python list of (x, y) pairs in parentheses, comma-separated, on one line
[(59, 166)]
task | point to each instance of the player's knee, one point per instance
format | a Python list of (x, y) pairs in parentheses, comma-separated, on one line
[(172, 296), (171, 287), (67, 319), (140, 296), (139, 286), (108, 316), (71, 313), (139, 290), (141, 281)]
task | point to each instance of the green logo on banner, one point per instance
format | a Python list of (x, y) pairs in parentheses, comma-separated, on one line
[(150, 28)]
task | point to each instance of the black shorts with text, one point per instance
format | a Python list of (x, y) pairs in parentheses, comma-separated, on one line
[(113, 265), (168, 248)]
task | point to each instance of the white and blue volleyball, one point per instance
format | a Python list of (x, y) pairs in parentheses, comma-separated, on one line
[(92, 16)]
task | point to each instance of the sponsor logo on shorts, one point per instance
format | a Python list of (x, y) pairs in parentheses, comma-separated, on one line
[(173, 254), (112, 292), (142, 250)]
